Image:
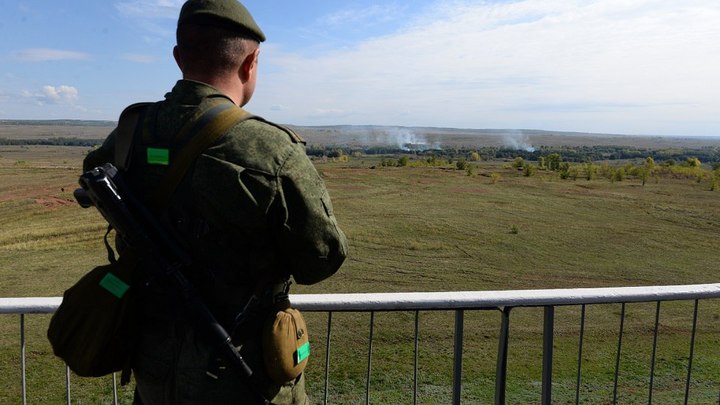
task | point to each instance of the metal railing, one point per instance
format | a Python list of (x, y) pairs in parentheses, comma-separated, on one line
[(460, 302)]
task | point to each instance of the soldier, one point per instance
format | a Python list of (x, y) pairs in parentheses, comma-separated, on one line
[(252, 209)]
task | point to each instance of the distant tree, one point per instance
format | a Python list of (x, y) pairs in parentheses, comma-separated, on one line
[(643, 173), (693, 162), (564, 170), (462, 164), (553, 161), (573, 172), (619, 174), (713, 184), (607, 171), (590, 171), (529, 169), (650, 163), (715, 180)]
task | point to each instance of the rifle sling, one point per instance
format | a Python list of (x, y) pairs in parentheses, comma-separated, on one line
[(208, 128), (204, 129), (126, 132)]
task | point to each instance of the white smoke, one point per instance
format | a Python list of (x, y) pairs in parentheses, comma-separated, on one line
[(408, 140), (518, 140)]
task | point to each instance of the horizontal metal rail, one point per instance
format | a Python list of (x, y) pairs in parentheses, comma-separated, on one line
[(500, 299), (460, 301), (366, 302)]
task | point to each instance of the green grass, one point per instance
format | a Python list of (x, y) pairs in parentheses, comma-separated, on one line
[(427, 229)]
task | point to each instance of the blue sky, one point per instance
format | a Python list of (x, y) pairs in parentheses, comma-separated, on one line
[(614, 66)]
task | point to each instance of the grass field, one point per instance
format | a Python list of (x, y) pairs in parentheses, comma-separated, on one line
[(425, 229)]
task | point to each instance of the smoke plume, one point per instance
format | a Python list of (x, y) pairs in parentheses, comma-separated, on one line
[(518, 140)]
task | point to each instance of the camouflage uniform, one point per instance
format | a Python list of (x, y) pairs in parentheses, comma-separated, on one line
[(252, 205)]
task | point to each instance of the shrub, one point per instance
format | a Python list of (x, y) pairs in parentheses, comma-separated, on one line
[(529, 170), (462, 164), (590, 171), (693, 162), (564, 169), (619, 174), (553, 161)]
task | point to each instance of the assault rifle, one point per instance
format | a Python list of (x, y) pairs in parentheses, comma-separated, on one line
[(104, 188)]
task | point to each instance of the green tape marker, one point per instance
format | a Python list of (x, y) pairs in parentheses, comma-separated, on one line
[(113, 284), (158, 156), (302, 353)]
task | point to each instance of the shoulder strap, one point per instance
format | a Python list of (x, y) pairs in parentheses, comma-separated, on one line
[(126, 128), (294, 137), (207, 129)]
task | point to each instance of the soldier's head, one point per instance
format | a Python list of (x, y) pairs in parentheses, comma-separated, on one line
[(216, 39)]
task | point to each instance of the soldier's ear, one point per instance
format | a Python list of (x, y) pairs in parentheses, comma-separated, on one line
[(178, 59), (249, 65)]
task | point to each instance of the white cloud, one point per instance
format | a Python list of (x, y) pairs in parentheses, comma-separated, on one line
[(60, 95), (138, 58), (150, 17), (365, 15), (608, 65), (149, 8), (45, 54)]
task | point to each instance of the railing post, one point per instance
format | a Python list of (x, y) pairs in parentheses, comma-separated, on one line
[(457, 369), (619, 351), (501, 369), (22, 359), (67, 386), (580, 354), (114, 385), (369, 363), (692, 353), (417, 354), (327, 358), (654, 352), (548, 326)]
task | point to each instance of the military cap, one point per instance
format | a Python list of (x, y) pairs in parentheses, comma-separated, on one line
[(228, 12)]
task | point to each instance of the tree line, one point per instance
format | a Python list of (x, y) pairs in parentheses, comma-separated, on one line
[(573, 154), (56, 141)]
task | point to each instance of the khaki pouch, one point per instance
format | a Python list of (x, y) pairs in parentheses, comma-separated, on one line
[(285, 345)]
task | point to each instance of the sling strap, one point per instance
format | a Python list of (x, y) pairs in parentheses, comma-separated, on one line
[(125, 133), (208, 125)]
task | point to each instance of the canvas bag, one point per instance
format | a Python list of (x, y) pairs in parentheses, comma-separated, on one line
[(94, 328), (285, 344)]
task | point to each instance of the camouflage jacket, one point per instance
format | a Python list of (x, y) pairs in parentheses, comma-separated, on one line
[(264, 211), (266, 205)]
